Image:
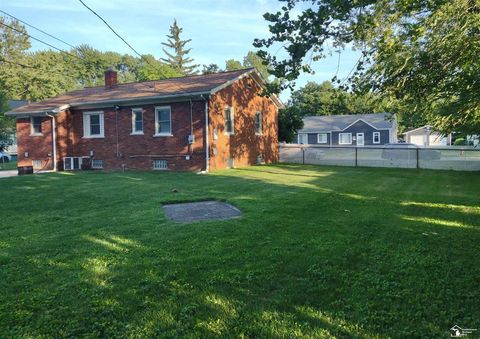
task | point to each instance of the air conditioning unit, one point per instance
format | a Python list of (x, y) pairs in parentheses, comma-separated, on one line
[(191, 139)]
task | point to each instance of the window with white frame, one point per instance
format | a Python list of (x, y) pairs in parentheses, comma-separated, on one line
[(229, 120), (163, 121), (36, 125), (37, 164), (160, 164), (376, 137), (302, 138), (258, 122), (137, 121), (97, 163), (322, 138), (93, 126), (345, 139)]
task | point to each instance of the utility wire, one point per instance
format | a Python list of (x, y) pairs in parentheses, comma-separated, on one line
[(38, 29), (118, 35), (43, 42)]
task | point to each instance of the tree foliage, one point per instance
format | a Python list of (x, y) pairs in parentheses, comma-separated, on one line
[(325, 99), (289, 122), (211, 68), (178, 60), (7, 124), (422, 52), (233, 65)]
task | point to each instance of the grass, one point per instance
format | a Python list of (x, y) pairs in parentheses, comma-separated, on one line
[(319, 252), (5, 166)]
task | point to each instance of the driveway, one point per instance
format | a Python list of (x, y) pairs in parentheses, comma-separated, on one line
[(9, 173)]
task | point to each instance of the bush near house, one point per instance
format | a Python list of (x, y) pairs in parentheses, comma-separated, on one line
[(319, 252)]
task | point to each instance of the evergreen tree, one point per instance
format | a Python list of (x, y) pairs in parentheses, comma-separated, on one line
[(178, 59)]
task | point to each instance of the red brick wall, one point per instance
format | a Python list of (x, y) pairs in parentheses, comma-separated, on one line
[(139, 151), (38, 147), (244, 146)]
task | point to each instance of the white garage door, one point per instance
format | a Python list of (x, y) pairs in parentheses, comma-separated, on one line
[(417, 140)]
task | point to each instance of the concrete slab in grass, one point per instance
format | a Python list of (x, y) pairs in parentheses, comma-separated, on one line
[(201, 211)]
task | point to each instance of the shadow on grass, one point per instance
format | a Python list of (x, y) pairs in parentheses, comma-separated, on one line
[(355, 253)]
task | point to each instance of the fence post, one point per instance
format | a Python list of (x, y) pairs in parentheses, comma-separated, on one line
[(418, 164), (303, 155), (356, 156)]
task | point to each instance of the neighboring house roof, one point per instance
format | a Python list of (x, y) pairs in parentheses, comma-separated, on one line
[(327, 123), (137, 91), (424, 128)]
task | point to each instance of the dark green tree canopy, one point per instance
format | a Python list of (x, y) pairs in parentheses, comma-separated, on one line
[(289, 122), (178, 59), (422, 52), (211, 68)]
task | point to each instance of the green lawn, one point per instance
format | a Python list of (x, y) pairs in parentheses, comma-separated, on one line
[(11, 165), (320, 252)]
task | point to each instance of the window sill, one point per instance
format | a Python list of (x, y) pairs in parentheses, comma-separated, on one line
[(259, 134), (137, 133), (230, 134), (94, 137), (162, 135), (36, 134)]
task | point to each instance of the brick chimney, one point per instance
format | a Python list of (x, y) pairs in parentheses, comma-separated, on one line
[(110, 78)]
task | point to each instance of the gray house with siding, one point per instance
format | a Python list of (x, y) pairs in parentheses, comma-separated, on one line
[(348, 130)]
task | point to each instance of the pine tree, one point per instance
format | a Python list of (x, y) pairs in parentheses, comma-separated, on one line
[(178, 59)]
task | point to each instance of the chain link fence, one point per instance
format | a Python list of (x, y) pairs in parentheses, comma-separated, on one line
[(447, 158)]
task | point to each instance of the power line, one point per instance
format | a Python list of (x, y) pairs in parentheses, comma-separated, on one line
[(38, 29), (43, 42), (118, 35)]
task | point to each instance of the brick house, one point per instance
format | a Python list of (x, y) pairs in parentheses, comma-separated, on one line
[(195, 123)]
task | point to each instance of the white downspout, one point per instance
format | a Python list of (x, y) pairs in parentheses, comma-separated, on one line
[(207, 148), (54, 142)]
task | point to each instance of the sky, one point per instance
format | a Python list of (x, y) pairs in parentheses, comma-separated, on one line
[(219, 29)]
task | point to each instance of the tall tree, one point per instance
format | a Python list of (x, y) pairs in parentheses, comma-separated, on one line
[(152, 69), (178, 59), (422, 52), (211, 68), (253, 60), (233, 65), (326, 99), (7, 124), (13, 48), (289, 122)]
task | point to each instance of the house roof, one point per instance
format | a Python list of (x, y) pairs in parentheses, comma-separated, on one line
[(327, 123), (136, 91), (12, 104)]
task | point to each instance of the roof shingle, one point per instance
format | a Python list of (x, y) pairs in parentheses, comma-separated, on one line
[(135, 90), (327, 123)]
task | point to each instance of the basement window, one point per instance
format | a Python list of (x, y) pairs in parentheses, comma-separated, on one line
[(37, 164), (160, 164), (97, 163), (36, 125)]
